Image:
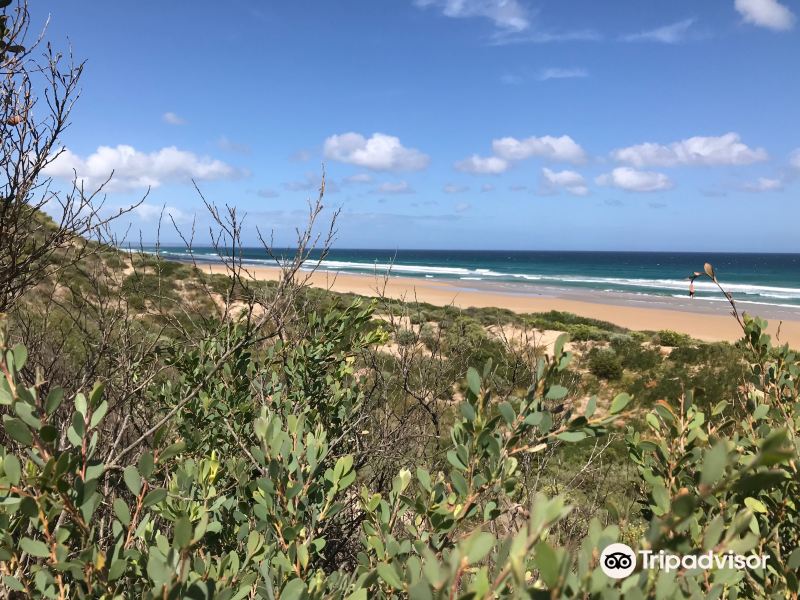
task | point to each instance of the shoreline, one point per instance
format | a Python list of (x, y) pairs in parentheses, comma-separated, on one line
[(703, 319)]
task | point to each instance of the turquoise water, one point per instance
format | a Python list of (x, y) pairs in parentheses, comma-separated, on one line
[(772, 279)]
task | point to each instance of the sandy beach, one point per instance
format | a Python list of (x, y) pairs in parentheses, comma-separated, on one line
[(702, 319)]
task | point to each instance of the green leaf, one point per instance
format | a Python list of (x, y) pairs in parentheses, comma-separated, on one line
[(154, 497), (714, 464), (98, 414), (558, 347), (459, 483), (171, 451), (20, 356), (758, 482), (389, 575), (571, 436), (96, 394), (683, 505), (17, 430), (719, 408), (146, 464), (454, 460), (761, 411), (507, 411), (548, 564), (794, 560), (293, 590), (117, 569), (424, 478), (556, 392), (54, 399), (80, 404), (122, 512), (713, 532), (94, 471), (132, 479), (12, 468), (48, 433), (755, 505), (591, 406), (473, 381), (34, 547), (13, 583), (478, 546), (183, 532), (619, 403), (25, 412)]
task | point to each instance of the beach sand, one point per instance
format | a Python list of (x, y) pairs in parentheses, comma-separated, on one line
[(701, 319)]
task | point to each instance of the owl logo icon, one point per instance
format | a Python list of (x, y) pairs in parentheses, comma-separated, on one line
[(618, 561)]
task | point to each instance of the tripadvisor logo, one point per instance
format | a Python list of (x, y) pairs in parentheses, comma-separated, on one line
[(619, 560)]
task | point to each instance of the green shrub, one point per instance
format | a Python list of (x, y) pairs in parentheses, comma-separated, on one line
[(634, 356), (584, 333), (244, 491), (666, 337), (429, 337), (405, 337), (604, 364), (252, 479)]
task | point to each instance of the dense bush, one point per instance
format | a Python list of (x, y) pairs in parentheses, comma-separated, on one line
[(259, 500), (604, 363), (667, 337), (633, 355), (405, 337), (260, 503)]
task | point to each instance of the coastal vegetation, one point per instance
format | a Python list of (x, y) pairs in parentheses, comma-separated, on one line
[(168, 433)]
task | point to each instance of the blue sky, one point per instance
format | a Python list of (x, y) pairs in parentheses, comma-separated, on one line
[(518, 124)]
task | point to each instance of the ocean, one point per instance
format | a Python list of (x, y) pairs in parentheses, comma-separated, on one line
[(757, 279)]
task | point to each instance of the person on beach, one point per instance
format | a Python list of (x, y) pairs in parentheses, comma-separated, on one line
[(691, 279)]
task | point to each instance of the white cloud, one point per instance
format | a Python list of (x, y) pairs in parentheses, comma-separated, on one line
[(358, 178), (562, 149), (794, 159), (487, 187), (153, 212), (452, 188), (138, 170), (394, 187), (721, 150), (631, 180), (765, 184), (380, 152), (172, 119), (509, 15), (766, 13), (504, 37), (571, 181), (267, 193), (228, 145), (478, 165), (462, 207), (668, 34), (560, 73)]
